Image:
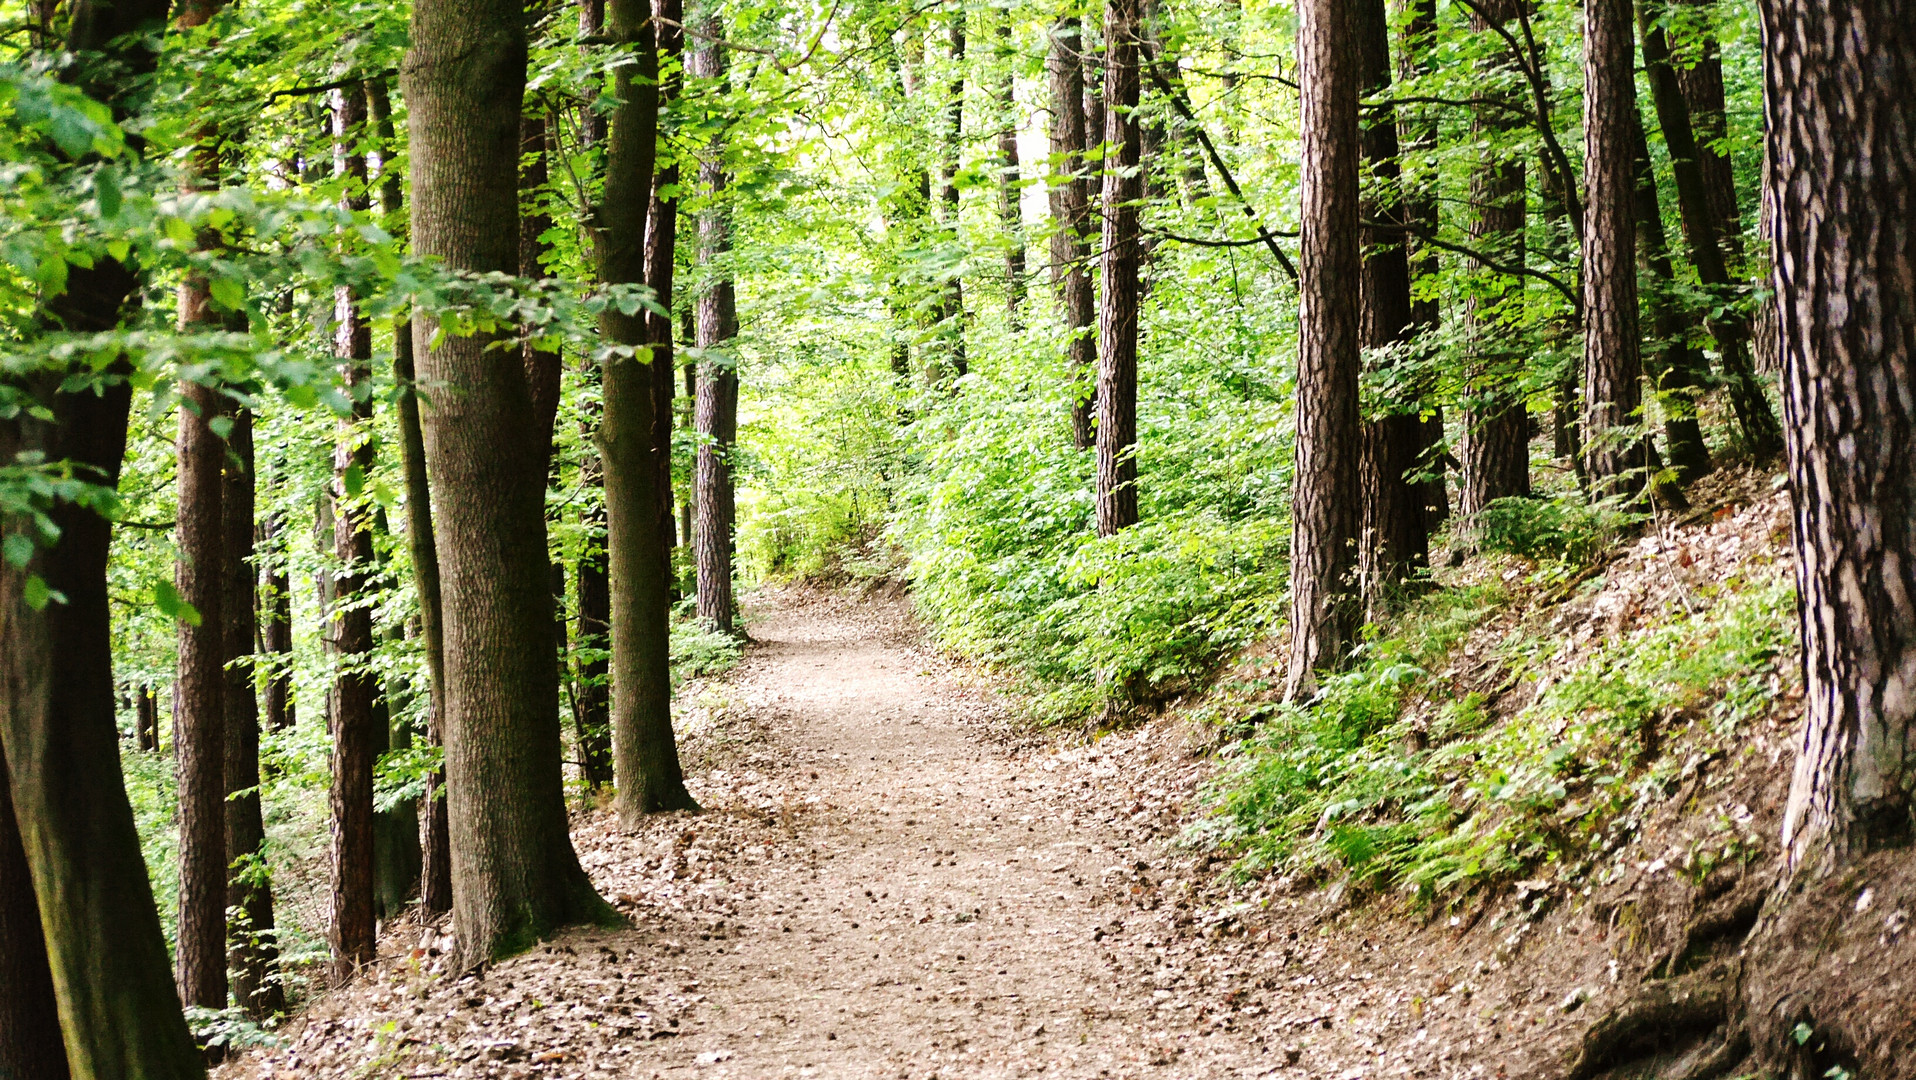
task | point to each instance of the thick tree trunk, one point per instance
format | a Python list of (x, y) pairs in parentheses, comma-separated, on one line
[(1613, 447), (715, 413), (30, 1047), (1324, 501), (645, 755), (1702, 217), (1393, 545), (1071, 222), (1418, 134), (435, 876), (1677, 368), (251, 952), (199, 720), (1117, 393), (355, 688), (515, 875), (1842, 186), (1495, 451), (1010, 174)]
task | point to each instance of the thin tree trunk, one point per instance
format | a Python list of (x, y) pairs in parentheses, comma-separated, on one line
[(1613, 449), (1495, 451), (252, 955), (543, 366), (355, 690), (200, 691), (593, 719), (1117, 394), (1418, 134), (1676, 366), (716, 403), (1324, 501), (30, 1047), (1701, 225), (435, 876), (1393, 545), (1839, 118), (1010, 175), (952, 361), (515, 875), (645, 755), (146, 718), (1071, 222), (276, 624), (661, 251)]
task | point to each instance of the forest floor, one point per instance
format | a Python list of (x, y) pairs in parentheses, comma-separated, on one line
[(893, 878)]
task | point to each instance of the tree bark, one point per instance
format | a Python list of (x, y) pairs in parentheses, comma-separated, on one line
[(661, 251), (1677, 368), (645, 755), (1394, 545), (593, 719), (1495, 451), (1010, 174), (30, 1047), (435, 876), (275, 624), (1614, 456), (146, 718), (1842, 187), (716, 405), (1117, 393), (1701, 218), (1324, 500), (515, 875), (952, 361), (1071, 222), (199, 720), (1418, 135), (251, 954)]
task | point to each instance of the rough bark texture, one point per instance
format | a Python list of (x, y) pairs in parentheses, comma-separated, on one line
[(1324, 501), (715, 412), (1071, 223), (515, 875), (1702, 217), (435, 876), (1010, 174), (199, 720), (251, 954), (1495, 452), (645, 755), (1676, 368), (1842, 183), (1117, 393), (30, 1047), (1612, 364), (1394, 544)]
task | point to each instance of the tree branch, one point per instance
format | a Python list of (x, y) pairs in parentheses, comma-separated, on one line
[(1224, 173)]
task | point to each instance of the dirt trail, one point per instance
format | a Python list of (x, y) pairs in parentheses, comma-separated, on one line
[(883, 885)]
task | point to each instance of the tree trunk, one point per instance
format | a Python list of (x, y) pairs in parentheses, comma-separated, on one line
[(593, 718), (1117, 393), (1676, 366), (1613, 450), (515, 875), (661, 250), (1324, 501), (355, 689), (276, 624), (251, 953), (30, 1047), (950, 334), (200, 690), (1842, 186), (1418, 132), (1071, 221), (1701, 225), (645, 755), (1010, 174), (1394, 545), (146, 718), (1495, 451), (716, 403), (435, 876)]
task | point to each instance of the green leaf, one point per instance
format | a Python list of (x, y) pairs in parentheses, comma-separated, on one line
[(106, 188), (19, 550), (229, 294), (173, 605), (221, 426), (36, 593), (355, 481)]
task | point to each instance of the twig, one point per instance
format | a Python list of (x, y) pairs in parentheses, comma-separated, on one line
[(1223, 171)]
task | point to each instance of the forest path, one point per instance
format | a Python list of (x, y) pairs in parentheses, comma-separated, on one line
[(885, 882)]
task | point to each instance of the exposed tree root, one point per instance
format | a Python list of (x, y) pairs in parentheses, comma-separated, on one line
[(1663, 1015)]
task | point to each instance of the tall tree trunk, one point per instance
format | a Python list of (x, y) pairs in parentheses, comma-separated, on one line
[(593, 719), (118, 1004), (1393, 544), (276, 624), (1612, 365), (30, 1047), (1324, 501), (199, 719), (1010, 174), (1117, 393), (716, 405), (645, 755), (355, 689), (251, 953), (1701, 226), (515, 875), (661, 255), (1071, 222), (435, 876), (1495, 452), (1418, 133), (1676, 366), (1842, 187), (952, 361)]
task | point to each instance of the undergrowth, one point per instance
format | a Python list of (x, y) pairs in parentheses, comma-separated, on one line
[(1393, 778)]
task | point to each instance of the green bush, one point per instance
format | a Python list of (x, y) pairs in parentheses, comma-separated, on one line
[(1564, 528)]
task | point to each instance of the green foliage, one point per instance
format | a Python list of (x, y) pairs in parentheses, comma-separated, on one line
[(1563, 528)]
